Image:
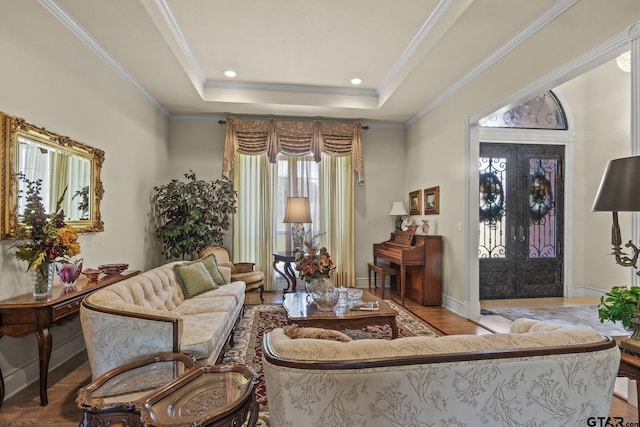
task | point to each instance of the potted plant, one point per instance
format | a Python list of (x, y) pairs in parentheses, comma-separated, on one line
[(192, 215), (619, 304)]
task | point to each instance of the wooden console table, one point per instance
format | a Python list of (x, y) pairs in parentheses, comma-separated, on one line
[(24, 315)]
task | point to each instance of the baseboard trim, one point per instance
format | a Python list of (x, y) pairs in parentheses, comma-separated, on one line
[(19, 378), (458, 307), (586, 291)]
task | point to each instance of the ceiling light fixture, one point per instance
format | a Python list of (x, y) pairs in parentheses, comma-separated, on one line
[(356, 81), (624, 62), (230, 73)]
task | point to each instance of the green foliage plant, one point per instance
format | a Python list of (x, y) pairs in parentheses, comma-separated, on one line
[(192, 215), (619, 304)]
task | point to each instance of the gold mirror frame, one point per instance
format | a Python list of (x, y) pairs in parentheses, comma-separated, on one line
[(12, 127)]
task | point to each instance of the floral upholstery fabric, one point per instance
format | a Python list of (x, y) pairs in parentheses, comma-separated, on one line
[(150, 308), (560, 389)]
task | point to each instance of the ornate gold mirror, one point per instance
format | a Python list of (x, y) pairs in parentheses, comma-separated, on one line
[(60, 163)]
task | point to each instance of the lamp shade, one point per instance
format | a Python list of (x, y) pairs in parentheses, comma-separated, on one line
[(297, 210), (620, 186), (398, 209)]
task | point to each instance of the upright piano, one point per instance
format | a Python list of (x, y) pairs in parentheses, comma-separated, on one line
[(419, 260)]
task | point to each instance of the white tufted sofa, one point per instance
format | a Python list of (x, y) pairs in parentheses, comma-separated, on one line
[(538, 374), (148, 314)]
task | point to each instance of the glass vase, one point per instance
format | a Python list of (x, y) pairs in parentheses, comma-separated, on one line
[(43, 280), (68, 273), (323, 293)]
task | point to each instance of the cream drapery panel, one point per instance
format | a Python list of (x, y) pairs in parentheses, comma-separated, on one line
[(293, 138), (253, 180), (337, 216)]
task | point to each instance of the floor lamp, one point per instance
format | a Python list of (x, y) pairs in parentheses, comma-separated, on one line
[(297, 213), (620, 192)]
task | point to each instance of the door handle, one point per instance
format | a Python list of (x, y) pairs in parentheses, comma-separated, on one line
[(521, 230), (513, 233)]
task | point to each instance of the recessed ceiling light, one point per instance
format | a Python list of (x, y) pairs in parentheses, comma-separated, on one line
[(356, 81), (230, 73)]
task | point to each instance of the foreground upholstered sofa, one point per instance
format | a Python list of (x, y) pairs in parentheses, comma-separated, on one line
[(149, 314), (538, 374)]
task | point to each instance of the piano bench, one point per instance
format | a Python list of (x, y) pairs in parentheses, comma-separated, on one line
[(383, 270)]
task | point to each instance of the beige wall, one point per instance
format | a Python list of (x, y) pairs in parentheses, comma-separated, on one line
[(384, 155), (608, 137), (441, 134), (599, 102), (198, 145), (53, 80)]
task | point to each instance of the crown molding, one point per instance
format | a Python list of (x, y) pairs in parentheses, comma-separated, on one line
[(68, 21), (634, 31), (276, 87), (413, 45), (536, 25), (597, 56), (178, 37)]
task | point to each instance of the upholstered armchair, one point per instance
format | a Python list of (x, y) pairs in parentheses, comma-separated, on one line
[(243, 271)]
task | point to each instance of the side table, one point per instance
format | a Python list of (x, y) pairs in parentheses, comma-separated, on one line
[(630, 368), (290, 276), (24, 315), (170, 389)]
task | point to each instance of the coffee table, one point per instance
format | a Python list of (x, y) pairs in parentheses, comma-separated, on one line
[(301, 310), (170, 390)]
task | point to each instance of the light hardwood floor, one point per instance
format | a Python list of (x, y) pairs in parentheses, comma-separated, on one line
[(23, 408)]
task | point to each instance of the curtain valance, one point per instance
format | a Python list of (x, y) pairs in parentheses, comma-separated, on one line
[(254, 137)]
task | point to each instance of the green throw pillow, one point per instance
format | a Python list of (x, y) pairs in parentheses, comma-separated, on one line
[(211, 265), (194, 278)]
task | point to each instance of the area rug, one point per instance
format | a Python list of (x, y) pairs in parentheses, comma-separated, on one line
[(571, 315), (258, 319)]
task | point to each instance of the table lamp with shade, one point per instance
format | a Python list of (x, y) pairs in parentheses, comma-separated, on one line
[(297, 213), (620, 192), (398, 210)]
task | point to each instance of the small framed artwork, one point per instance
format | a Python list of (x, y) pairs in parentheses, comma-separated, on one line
[(415, 204), (432, 201)]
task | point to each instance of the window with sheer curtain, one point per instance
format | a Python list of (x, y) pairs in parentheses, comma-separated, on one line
[(271, 160), (297, 177)]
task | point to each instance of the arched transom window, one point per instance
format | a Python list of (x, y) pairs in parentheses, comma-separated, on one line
[(542, 112)]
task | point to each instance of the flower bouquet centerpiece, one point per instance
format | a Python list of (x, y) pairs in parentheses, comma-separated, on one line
[(46, 238), (315, 268)]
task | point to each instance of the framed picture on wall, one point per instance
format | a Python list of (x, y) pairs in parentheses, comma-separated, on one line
[(432, 201), (415, 204)]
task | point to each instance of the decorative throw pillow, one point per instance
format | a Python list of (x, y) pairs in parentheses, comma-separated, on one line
[(211, 264), (293, 332), (194, 278)]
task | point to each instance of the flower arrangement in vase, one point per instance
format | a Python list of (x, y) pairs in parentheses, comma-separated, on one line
[(46, 237), (314, 264), (315, 269)]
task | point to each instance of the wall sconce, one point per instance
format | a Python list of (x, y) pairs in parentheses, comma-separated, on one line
[(624, 62), (399, 211), (297, 213), (620, 192)]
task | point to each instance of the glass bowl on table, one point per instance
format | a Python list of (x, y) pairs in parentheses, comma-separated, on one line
[(112, 269)]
